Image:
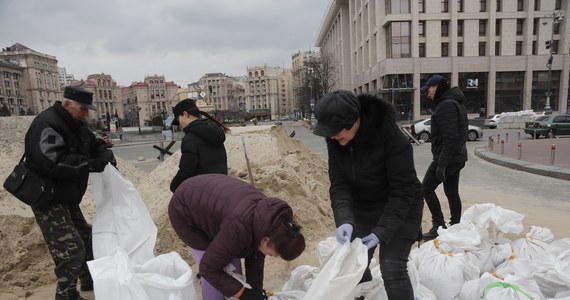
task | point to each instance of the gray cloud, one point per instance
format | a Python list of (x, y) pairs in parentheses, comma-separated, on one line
[(181, 39)]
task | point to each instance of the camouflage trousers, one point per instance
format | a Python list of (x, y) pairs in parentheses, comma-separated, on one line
[(68, 238)]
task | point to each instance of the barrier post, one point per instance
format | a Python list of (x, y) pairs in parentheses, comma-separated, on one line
[(502, 146), (507, 137), (519, 138), (520, 150), (498, 138), (492, 143), (489, 145), (552, 153)]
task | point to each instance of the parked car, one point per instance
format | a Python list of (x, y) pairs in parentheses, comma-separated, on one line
[(492, 121), (421, 130), (548, 126)]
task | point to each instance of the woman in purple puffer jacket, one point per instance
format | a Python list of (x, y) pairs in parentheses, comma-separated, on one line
[(223, 219)]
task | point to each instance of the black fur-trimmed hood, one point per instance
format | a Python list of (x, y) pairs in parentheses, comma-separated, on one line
[(377, 117)]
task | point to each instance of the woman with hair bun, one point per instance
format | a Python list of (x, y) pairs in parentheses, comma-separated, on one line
[(223, 219)]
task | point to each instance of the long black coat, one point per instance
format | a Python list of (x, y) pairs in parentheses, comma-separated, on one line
[(202, 150), (374, 185), (226, 218), (449, 128)]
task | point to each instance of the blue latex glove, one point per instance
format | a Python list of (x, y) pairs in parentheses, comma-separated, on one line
[(344, 233), (440, 173), (370, 241)]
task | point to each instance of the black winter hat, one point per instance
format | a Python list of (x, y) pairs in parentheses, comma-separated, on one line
[(182, 106), (336, 111), (80, 96)]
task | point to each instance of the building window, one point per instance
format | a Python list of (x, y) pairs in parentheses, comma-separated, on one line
[(422, 49), (459, 5), (498, 27), (520, 25), (499, 5), (497, 48), (445, 28), (444, 6), (509, 91), (535, 26), (534, 49), (398, 40), (421, 6), (482, 5), (444, 49), (481, 48), (422, 28), (398, 6), (459, 48), (482, 27), (556, 28), (459, 27), (520, 5), (518, 49), (557, 4)]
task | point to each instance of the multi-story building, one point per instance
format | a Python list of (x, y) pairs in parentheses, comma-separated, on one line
[(495, 51), (40, 85), (268, 92), (217, 88), (64, 78), (143, 101), (11, 81), (302, 89), (106, 97)]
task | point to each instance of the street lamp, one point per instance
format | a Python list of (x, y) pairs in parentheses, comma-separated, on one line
[(138, 109), (557, 17)]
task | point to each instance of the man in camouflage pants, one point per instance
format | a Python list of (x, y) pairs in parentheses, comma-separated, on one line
[(59, 145)]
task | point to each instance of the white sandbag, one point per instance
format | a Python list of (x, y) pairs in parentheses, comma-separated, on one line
[(341, 273), (509, 288), (121, 218), (326, 249), (559, 246), (460, 237), (420, 291), (541, 233), (373, 289), (301, 278), (554, 278), (166, 277), (531, 248), (445, 273), (520, 267), (288, 295), (493, 221)]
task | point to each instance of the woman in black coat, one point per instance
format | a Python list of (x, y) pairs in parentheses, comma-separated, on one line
[(375, 194), (202, 148)]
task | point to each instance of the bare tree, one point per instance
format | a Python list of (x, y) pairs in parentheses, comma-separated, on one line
[(319, 78)]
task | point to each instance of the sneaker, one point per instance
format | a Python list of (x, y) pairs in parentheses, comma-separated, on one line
[(432, 233)]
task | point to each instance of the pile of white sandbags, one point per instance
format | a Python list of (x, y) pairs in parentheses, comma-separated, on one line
[(486, 256)]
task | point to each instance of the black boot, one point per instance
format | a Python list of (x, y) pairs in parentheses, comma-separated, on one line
[(432, 233)]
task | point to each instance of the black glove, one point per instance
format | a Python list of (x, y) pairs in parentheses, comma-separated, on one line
[(253, 294), (109, 156), (440, 173), (97, 164)]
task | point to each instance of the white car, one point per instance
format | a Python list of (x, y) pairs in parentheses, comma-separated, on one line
[(422, 130), (493, 121)]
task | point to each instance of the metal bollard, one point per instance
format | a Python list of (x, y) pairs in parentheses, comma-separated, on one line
[(502, 146), (161, 155), (552, 153), (507, 137), (520, 150), (519, 138), (498, 138), (492, 143)]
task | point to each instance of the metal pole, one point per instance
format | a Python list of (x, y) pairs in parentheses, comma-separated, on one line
[(507, 137), (498, 138), (547, 108), (519, 134), (492, 143), (502, 146), (552, 153), (520, 150)]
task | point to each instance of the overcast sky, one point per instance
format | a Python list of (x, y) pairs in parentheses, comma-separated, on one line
[(180, 39)]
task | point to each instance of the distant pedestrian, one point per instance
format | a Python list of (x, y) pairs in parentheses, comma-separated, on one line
[(202, 146), (375, 193), (223, 219), (59, 145), (448, 146)]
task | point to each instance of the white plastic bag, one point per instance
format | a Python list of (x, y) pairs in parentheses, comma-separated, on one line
[(121, 219), (341, 273), (165, 277)]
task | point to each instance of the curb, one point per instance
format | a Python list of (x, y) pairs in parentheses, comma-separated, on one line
[(544, 170)]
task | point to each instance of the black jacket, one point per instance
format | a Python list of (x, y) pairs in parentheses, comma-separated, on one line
[(449, 128), (59, 147), (374, 185), (202, 150)]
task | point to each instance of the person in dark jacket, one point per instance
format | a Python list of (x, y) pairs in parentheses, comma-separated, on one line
[(449, 130), (59, 145), (202, 146), (375, 193), (223, 219)]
